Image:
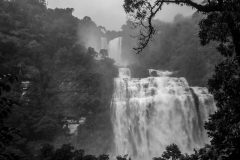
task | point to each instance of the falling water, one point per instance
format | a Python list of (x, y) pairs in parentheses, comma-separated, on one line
[(150, 113), (115, 50), (104, 43)]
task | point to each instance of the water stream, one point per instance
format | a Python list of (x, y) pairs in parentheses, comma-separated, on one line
[(150, 113)]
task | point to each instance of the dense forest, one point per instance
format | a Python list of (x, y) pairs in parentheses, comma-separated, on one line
[(55, 77), (49, 74), (175, 47)]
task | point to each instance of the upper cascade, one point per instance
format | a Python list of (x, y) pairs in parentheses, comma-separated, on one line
[(124, 73), (150, 113), (155, 73), (115, 50)]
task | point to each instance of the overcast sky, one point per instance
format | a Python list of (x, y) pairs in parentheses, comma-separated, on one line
[(110, 13)]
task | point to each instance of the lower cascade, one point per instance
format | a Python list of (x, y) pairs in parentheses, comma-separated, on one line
[(150, 113)]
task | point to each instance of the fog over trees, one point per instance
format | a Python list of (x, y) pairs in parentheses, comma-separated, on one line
[(175, 47), (54, 73), (220, 24)]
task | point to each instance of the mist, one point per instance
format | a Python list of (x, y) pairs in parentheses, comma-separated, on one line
[(104, 79), (110, 13)]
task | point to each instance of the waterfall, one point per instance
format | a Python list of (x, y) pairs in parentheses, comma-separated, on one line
[(115, 50), (150, 113), (104, 43)]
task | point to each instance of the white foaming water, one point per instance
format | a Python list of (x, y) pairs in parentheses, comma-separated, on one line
[(115, 50), (154, 72), (150, 113)]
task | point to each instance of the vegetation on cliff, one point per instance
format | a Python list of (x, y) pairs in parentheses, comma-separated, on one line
[(57, 77)]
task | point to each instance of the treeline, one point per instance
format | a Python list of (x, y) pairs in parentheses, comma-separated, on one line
[(68, 152), (175, 47), (57, 78)]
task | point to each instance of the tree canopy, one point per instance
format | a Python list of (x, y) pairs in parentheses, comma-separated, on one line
[(220, 23), (58, 77)]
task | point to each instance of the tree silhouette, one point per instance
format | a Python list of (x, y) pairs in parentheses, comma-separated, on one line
[(172, 151), (220, 24)]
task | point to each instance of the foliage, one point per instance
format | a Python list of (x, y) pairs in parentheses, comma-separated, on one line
[(9, 136), (172, 151), (176, 48), (60, 77), (223, 126), (223, 26), (66, 152), (220, 24)]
